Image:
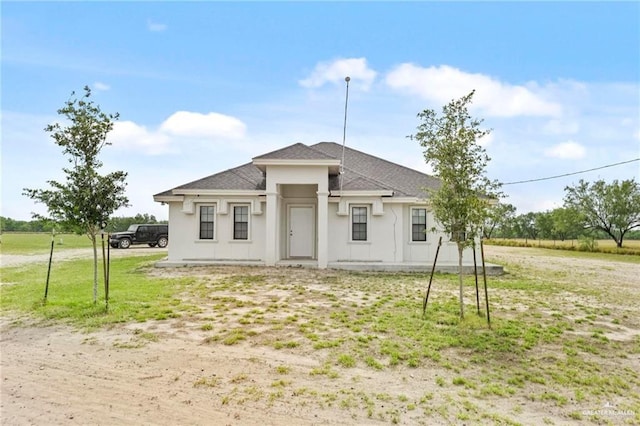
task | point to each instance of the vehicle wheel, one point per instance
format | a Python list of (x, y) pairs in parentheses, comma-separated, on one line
[(152, 244), (162, 242), (125, 243)]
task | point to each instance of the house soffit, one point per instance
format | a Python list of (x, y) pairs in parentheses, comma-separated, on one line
[(332, 164)]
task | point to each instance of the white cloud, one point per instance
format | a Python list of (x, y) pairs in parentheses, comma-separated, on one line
[(174, 130), (101, 86), (197, 125), (156, 26), (566, 150), (131, 136), (336, 71), (495, 98)]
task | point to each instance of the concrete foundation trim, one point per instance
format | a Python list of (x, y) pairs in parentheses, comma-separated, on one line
[(452, 268), (206, 262), (447, 268)]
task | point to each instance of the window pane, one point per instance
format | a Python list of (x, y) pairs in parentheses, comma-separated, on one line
[(207, 214), (419, 216), (360, 232), (240, 231), (359, 215), (241, 213), (241, 223), (419, 233), (206, 231), (359, 224), (418, 224)]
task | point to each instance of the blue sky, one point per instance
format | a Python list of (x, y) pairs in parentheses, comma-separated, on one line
[(204, 86)]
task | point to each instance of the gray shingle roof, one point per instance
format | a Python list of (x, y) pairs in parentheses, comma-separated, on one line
[(357, 165), (361, 172), (245, 177), (296, 151)]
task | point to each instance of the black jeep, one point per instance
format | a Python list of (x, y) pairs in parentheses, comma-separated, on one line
[(153, 235)]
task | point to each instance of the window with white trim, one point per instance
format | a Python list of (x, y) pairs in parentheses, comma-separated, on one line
[(418, 224), (240, 222), (359, 219), (207, 222)]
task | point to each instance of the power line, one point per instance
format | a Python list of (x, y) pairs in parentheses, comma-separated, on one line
[(347, 79), (570, 174)]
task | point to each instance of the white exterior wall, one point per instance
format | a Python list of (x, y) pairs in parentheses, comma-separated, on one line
[(425, 251), (184, 232), (297, 175), (384, 234), (389, 237)]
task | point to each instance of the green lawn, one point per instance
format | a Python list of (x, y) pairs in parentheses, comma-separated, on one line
[(35, 243), (133, 295)]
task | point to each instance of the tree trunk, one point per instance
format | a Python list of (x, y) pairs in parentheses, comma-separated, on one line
[(460, 248), (95, 269)]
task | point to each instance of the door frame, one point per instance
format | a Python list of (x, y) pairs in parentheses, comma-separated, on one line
[(313, 230)]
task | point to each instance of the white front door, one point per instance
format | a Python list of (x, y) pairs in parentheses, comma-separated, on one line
[(301, 231)]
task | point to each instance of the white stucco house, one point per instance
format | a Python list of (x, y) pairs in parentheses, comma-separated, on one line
[(294, 207)]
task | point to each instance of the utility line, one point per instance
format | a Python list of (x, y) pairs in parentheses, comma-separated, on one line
[(570, 174), (347, 79)]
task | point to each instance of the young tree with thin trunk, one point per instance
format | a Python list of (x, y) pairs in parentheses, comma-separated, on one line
[(86, 199), (451, 147)]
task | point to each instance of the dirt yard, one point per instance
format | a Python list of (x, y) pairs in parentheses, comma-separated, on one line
[(166, 373)]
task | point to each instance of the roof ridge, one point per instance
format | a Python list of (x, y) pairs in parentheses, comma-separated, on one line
[(376, 181), (291, 148), (380, 183), (235, 172), (378, 158), (320, 152)]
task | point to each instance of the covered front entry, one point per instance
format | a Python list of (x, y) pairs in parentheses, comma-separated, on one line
[(301, 231), (296, 215)]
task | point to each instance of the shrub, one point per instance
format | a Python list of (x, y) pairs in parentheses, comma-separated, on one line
[(587, 243)]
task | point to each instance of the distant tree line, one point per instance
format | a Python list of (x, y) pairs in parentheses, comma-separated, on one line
[(548, 225), (114, 224), (597, 210)]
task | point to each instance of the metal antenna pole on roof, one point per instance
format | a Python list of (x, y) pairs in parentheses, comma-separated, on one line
[(344, 131)]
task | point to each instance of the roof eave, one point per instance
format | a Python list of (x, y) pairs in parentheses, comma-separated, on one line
[(167, 198), (363, 193), (407, 200), (224, 192)]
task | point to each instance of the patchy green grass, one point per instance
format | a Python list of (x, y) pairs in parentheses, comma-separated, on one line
[(560, 339), (37, 243), (542, 347), (133, 295)]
